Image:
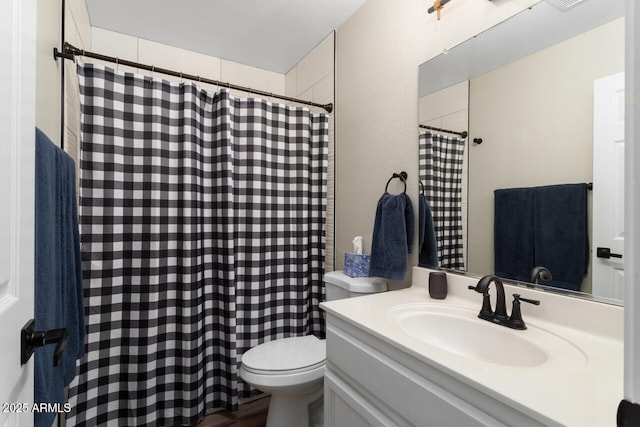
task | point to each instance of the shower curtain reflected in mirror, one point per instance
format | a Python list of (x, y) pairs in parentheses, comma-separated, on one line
[(440, 168), (202, 221)]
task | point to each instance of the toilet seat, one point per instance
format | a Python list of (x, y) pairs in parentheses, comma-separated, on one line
[(286, 356)]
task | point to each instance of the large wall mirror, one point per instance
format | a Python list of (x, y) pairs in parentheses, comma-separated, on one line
[(539, 95)]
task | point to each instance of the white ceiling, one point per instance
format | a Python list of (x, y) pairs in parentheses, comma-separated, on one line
[(269, 34)]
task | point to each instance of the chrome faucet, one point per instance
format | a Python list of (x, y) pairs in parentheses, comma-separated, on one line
[(500, 316)]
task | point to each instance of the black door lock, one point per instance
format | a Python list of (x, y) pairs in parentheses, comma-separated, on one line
[(606, 253), (30, 339)]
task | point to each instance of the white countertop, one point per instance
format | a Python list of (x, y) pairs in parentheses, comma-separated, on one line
[(582, 387)]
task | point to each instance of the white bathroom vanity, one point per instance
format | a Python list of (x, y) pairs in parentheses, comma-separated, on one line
[(402, 358)]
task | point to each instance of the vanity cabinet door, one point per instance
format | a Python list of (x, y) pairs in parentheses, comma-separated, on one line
[(345, 406), (345, 415)]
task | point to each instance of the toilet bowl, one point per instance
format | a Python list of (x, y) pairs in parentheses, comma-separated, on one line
[(292, 369)]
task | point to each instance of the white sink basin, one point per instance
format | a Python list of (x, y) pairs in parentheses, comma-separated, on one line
[(459, 331)]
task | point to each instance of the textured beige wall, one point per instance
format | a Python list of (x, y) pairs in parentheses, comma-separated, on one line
[(48, 71), (376, 115), (378, 52)]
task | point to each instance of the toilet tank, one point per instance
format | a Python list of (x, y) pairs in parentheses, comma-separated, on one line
[(338, 285)]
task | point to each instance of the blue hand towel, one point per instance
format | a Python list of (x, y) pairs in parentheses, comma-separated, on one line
[(392, 239), (428, 256), (58, 273)]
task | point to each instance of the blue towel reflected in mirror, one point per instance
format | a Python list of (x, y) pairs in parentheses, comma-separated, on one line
[(542, 226)]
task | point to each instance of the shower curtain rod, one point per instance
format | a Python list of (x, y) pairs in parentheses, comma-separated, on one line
[(70, 51), (463, 134)]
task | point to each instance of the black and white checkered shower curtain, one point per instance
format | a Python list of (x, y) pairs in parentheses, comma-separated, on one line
[(440, 165), (202, 227)]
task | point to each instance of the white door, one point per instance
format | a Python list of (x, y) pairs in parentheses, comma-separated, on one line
[(608, 187), (17, 142)]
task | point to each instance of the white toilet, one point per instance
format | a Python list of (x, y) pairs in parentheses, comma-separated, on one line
[(292, 369)]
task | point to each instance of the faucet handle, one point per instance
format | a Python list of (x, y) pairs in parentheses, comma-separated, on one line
[(530, 301), (515, 320), (486, 312)]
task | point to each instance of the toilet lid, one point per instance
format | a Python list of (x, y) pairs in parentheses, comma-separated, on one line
[(286, 354)]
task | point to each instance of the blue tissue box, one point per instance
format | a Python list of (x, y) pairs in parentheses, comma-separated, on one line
[(356, 265)]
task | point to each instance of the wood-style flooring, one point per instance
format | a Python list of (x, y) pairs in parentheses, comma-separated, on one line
[(249, 414)]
